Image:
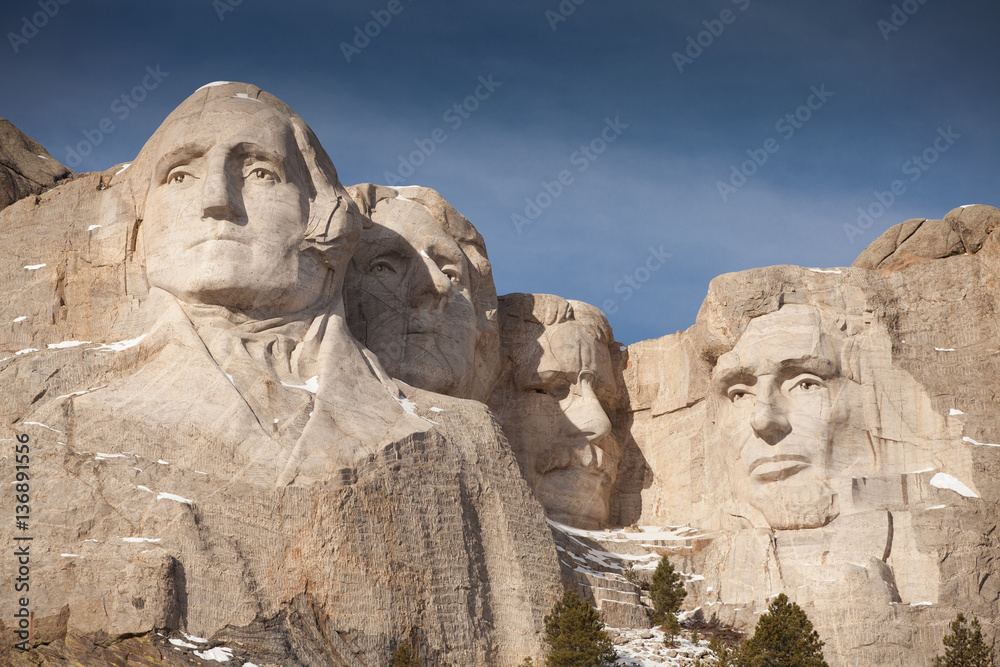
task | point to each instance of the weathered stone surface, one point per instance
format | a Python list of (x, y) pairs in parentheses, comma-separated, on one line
[(553, 400), (26, 168), (226, 443), (825, 437), (212, 452), (963, 230), (420, 292)]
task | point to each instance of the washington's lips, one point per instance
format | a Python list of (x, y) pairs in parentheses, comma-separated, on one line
[(773, 468)]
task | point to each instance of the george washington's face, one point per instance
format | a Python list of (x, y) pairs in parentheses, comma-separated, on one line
[(227, 212), (779, 392)]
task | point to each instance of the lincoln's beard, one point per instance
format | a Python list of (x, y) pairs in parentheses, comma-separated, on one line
[(807, 504)]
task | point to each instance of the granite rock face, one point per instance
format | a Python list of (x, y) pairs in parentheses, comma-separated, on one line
[(26, 168), (277, 420), (828, 432), (211, 452)]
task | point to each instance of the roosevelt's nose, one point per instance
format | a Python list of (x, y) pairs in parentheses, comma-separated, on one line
[(220, 196), (768, 420), (431, 288), (585, 414)]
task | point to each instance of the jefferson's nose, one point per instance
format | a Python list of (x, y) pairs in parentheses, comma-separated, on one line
[(768, 421), (219, 195), (585, 413), (431, 288)]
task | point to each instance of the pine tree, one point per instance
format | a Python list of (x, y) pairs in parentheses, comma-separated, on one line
[(965, 646), (403, 657), (666, 590), (576, 634), (784, 637)]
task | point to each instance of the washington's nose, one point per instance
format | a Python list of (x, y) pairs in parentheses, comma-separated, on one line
[(219, 196), (431, 288), (586, 415), (769, 422)]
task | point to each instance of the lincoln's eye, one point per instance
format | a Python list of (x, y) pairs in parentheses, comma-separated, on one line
[(738, 394)]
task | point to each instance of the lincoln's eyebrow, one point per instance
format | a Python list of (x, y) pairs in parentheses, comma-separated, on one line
[(175, 157), (819, 366), (724, 378)]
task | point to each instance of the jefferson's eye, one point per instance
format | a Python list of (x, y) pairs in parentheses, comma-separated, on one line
[(381, 267)]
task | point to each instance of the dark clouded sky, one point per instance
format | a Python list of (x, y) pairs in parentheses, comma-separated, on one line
[(621, 153)]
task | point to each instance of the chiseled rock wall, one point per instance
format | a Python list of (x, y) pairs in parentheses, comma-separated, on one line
[(26, 168), (436, 539), (890, 529)]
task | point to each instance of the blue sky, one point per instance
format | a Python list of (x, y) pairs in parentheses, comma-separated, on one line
[(689, 92)]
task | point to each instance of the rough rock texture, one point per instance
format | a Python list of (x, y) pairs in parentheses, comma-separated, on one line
[(229, 462), (963, 230), (419, 292), (553, 400), (25, 167), (870, 399), (217, 468)]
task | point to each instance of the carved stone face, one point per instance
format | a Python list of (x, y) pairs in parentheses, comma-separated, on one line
[(780, 391), (410, 300), (227, 211), (556, 421)]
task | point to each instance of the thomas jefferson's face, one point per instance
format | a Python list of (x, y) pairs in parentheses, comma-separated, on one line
[(227, 212), (559, 428), (778, 390), (410, 299)]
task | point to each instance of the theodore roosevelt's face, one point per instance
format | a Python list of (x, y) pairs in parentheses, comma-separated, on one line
[(778, 390), (227, 211), (557, 423)]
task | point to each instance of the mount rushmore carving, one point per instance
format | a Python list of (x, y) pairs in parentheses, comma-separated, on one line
[(277, 412)]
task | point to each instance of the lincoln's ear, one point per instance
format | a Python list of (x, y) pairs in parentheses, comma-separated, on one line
[(335, 224)]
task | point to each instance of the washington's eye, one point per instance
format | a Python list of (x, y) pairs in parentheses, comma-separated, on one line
[(261, 174), (178, 176)]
